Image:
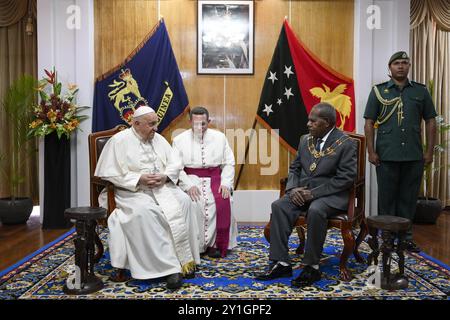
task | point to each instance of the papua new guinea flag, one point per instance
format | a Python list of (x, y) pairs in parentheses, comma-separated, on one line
[(295, 82), (149, 76)]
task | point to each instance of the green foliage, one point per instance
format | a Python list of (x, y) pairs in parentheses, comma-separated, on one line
[(441, 127), (17, 103)]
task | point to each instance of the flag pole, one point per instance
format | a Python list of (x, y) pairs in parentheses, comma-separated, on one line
[(246, 155)]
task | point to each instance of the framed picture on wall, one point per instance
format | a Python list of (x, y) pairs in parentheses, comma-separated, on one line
[(225, 33)]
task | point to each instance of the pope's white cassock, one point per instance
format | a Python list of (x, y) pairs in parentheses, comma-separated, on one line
[(211, 150), (153, 232)]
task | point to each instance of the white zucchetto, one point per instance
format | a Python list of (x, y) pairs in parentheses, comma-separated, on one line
[(142, 110)]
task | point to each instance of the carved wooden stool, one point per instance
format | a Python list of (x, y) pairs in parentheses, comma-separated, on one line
[(391, 228), (85, 219)]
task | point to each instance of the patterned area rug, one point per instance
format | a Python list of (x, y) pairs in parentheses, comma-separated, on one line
[(43, 274)]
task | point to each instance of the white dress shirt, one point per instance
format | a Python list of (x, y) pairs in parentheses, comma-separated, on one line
[(324, 139)]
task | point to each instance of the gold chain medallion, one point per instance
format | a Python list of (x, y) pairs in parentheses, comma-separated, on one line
[(330, 150)]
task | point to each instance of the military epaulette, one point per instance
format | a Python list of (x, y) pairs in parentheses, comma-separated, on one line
[(420, 84), (380, 84)]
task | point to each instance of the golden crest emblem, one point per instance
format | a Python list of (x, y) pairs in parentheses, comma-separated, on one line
[(341, 102)]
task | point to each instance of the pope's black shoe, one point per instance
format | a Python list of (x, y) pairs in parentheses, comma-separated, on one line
[(174, 281), (190, 275), (119, 275), (412, 247), (275, 271), (307, 277)]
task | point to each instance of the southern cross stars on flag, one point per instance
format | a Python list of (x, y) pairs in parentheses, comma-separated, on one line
[(287, 91)]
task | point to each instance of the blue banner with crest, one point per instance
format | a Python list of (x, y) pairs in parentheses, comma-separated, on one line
[(149, 76)]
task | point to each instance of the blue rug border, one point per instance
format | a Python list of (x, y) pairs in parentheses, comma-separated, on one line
[(438, 262), (60, 241), (48, 245), (35, 253)]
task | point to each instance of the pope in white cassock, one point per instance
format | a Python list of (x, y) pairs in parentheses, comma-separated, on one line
[(208, 178), (153, 232)]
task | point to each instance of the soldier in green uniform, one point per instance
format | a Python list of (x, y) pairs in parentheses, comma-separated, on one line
[(396, 109)]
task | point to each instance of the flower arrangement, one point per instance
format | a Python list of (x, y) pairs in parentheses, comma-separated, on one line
[(55, 112)]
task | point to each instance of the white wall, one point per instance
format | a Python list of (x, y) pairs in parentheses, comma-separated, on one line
[(373, 48), (253, 205), (68, 45)]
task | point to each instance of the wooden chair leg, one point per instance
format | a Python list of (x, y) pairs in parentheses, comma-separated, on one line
[(100, 249), (267, 230), (373, 244), (361, 236), (301, 240), (349, 247)]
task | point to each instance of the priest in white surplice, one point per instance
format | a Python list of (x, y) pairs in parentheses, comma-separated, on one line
[(154, 230), (208, 179)]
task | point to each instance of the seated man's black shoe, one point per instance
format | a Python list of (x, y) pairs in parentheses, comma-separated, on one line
[(307, 277), (275, 271), (213, 253), (174, 281), (412, 247)]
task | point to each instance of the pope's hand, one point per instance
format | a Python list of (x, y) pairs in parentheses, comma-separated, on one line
[(194, 193), (152, 180)]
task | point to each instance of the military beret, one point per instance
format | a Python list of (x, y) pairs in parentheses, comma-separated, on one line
[(398, 55)]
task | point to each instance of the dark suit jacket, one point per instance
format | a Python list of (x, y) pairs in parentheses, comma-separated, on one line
[(334, 174)]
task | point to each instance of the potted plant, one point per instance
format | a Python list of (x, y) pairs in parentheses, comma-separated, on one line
[(17, 102), (429, 208)]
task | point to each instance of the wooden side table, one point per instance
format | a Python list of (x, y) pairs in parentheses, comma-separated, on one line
[(392, 228), (85, 219)]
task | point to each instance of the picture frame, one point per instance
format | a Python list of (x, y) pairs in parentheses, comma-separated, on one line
[(225, 37)]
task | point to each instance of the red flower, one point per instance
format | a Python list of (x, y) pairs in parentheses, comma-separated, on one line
[(51, 76)]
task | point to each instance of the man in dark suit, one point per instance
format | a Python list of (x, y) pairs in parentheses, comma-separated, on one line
[(318, 183)]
